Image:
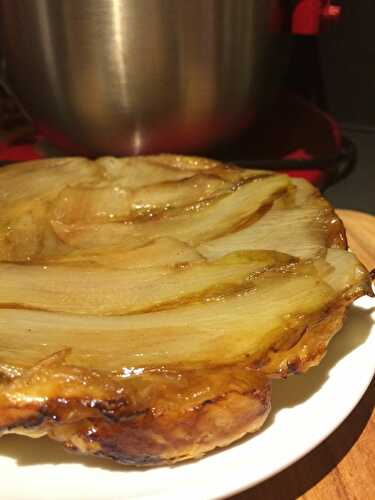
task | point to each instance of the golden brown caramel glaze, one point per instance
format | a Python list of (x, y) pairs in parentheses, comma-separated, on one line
[(336, 235), (302, 348), (138, 215), (144, 419)]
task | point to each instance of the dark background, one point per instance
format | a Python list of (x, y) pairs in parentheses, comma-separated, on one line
[(348, 61), (347, 51)]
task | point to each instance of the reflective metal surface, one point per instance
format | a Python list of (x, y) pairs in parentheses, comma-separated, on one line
[(131, 76)]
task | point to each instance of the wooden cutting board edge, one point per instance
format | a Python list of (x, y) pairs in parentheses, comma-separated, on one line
[(360, 230)]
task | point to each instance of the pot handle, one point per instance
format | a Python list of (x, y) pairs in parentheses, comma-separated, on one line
[(308, 15)]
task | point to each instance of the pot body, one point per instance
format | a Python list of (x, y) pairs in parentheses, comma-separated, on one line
[(138, 76)]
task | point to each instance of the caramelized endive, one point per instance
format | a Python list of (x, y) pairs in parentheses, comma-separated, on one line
[(147, 302)]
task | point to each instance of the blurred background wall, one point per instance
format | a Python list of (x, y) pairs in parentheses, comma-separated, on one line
[(348, 64)]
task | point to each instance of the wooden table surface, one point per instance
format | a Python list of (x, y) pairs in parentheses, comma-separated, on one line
[(343, 466)]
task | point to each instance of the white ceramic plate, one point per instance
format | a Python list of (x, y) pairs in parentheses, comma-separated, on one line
[(305, 411)]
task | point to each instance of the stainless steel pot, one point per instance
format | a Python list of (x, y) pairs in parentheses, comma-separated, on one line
[(132, 76)]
